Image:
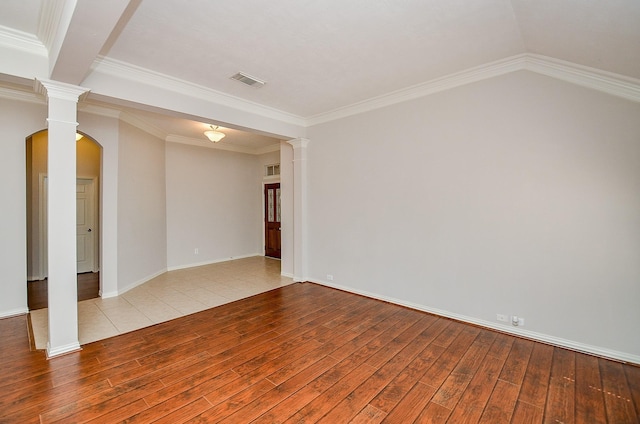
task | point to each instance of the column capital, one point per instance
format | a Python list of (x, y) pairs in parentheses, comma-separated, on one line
[(59, 90), (299, 143)]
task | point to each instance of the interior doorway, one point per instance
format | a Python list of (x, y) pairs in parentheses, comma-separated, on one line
[(88, 168), (272, 220)]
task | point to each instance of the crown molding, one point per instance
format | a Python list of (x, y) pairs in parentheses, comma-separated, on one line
[(268, 149), (145, 76), (608, 82), (437, 85), (21, 95), (142, 125), (99, 110), (50, 16), (23, 41), (174, 138)]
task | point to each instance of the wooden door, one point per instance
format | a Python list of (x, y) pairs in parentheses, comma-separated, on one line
[(272, 220), (84, 223)]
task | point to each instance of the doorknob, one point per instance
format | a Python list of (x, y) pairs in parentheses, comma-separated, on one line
[(89, 230)]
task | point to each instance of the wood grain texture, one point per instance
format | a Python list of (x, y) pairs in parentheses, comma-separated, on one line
[(38, 293), (306, 353)]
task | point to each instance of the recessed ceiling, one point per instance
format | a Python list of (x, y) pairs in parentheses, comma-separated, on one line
[(321, 56)]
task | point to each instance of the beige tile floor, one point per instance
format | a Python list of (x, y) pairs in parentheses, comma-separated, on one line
[(168, 296)]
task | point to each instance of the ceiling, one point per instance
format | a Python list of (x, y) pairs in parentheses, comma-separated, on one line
[(320, 56)]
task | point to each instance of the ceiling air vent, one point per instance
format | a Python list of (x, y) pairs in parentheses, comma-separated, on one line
[(248, 79)]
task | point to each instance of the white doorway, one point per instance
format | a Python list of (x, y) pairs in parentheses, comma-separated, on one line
[(86, 231), (85, 225)]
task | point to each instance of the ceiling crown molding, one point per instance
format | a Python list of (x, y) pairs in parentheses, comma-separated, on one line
[(21, 95), (48, 21), (437, 85), (23, 41), (174, 138), (145, 76), (142, 125), (99, 110), (607, 82)]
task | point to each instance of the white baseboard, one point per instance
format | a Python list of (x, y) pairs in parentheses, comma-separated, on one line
[(173, 268), (286, 274), (61, 350), (132, 285), (544, 338), (214, 261), (14, 312)]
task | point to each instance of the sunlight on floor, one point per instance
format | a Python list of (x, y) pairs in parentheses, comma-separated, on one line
[(168, 296)]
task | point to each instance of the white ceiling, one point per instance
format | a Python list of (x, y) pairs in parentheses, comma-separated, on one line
[(320, 56)]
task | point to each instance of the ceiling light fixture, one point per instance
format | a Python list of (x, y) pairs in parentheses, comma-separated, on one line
[(213, 134)]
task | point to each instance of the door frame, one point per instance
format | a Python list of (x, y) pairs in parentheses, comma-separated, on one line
[(43, 224), (265, 181)]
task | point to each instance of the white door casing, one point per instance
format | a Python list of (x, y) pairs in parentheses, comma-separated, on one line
[(85, 229), (85, 221)]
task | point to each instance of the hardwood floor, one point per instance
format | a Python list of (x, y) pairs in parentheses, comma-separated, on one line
[(306, 353), (37, 294)]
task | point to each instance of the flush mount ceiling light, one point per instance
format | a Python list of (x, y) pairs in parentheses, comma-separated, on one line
[(213, 134)]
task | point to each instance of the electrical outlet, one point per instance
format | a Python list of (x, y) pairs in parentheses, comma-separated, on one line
[(502, 318), (517, 321), (329, 277), (196, 251)]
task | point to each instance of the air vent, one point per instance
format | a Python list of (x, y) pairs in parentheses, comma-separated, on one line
[(248, 79)]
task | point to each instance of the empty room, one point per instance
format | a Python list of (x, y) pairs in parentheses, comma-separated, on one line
[(384, 211)]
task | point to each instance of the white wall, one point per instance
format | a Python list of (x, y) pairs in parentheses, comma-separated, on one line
[(17, 120), (518, 195), (105, 130), (214, 204), (286, 207), (142, 236)]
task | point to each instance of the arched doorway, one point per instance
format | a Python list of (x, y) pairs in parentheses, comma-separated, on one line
[(88, 170)]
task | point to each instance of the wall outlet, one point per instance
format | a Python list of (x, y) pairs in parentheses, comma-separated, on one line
[(195, 251), (329, 277), (502, 318), (517, 321)]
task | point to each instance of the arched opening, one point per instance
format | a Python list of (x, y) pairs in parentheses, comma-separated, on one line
[(88, 171)]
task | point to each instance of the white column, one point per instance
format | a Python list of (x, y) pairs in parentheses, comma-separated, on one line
[(61, 215), (299, 208)]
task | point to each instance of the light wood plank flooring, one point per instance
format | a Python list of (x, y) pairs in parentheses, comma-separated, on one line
[(305, 353)]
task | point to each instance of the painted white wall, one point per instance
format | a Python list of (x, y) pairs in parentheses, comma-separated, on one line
[(517, 195), (105, 130), (213, 204), (270, 158), (142, 236), (286, 207), (17, 120)]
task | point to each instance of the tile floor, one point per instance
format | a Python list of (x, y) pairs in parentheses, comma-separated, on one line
[(168, 296)]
